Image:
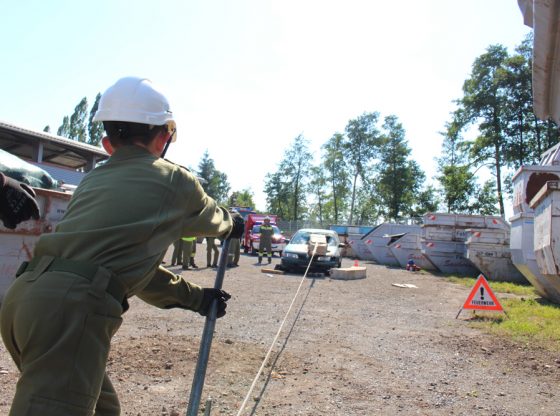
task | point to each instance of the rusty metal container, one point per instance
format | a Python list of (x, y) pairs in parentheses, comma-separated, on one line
[(523, 254), (358, 247), (527, 181), (449, 256), (488, 249), (463, 221), (16, 246), (378, 240), (546, 206), (444, 236), (409, 247)]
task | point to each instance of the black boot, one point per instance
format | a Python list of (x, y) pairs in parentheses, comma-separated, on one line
[(194, 266)]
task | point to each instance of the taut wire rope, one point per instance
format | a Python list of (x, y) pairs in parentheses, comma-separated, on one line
[(242, 407)]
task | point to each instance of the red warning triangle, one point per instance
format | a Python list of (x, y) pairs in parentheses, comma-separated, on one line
[(482, 297)]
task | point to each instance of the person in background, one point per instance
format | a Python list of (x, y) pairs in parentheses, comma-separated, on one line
[(189, 251), (17, 202), (265, 240), (234, 252), (59, 315), (211, 248)]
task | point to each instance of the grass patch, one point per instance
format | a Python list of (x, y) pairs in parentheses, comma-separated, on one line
[(499, 287), (529, 319)]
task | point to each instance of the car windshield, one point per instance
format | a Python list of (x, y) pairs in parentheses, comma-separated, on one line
[(302, 237), (257, 229)]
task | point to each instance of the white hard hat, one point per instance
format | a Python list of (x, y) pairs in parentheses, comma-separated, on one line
[(135, 100)]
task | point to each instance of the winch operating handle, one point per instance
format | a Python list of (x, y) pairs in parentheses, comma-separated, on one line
[(206, 340)]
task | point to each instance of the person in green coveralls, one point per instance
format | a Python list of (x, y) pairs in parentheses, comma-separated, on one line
[(265, 240), (234, 252), (58, 317), (211, 249), (234, 249), (189, 250)]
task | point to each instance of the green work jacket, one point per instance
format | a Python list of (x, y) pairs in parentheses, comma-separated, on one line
[(266, 232), (126, 213)]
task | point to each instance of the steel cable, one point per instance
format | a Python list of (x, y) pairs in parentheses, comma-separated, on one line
[(277, 335)]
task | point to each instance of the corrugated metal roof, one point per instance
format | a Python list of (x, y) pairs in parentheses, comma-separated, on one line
[(57, 150)]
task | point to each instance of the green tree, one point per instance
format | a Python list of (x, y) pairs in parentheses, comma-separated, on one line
[(47, 129), (215, 182), (484, 102), (64, 129), (295, 168), (95, 128), (243, 198), (317, 187), (399, 177), (426, 201), (78, 127), (337, 177), (522, 129), (368, 203), (359, 149), (458, 184), (485, 200), (277, 194)]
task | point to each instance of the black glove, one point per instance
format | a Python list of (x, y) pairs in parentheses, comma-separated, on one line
[(208, 296), (238, 225), (17, 202)]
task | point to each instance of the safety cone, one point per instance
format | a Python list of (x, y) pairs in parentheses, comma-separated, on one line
[(356, 263)]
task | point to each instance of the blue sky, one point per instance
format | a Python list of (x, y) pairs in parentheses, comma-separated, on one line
[(245, 77)]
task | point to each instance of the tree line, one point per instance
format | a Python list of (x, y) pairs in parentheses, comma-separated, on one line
[(80, 125), (366, 174)]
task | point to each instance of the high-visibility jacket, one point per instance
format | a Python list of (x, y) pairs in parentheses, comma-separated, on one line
[(266, 232)]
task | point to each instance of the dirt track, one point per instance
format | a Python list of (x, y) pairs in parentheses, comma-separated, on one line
[(361, 347)]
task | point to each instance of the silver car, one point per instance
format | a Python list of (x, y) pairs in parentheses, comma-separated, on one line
[(296, 256)]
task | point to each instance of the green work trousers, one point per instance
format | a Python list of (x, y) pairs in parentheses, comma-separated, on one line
[(265, 246), (57, 326), (234, 251), (177, 257), (211, 249)]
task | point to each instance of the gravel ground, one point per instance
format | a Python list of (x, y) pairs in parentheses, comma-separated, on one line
[(348, 347)]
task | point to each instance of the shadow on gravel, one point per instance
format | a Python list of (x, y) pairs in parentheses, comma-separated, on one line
[(273, 365), (481, 318)]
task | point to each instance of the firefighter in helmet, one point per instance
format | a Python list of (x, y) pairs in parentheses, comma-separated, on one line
[(265, 240), (58, 317)]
